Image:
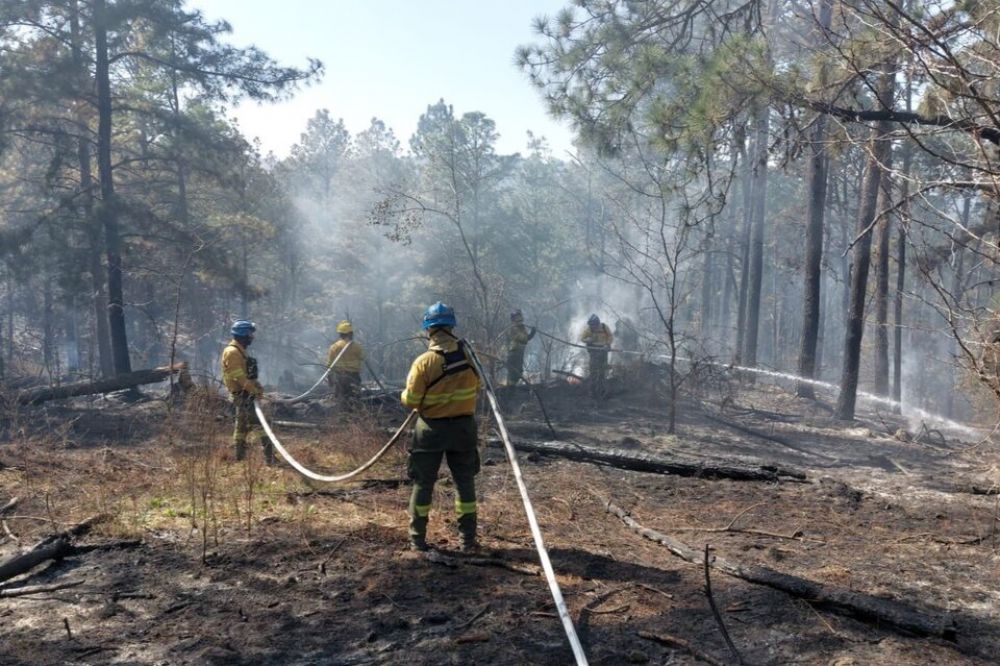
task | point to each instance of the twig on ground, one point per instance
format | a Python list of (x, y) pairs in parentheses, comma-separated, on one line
[(740, 515), (475, 617), (36, 589), (715, 609), (673, 641), (653, 589)]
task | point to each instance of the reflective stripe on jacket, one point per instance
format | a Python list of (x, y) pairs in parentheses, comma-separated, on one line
[(352, 360), (435, 394), (602, 337), (234, 369)]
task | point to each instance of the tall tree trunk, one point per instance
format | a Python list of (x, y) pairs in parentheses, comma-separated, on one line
[(741, 310), (99, 300), (818, 169), (48, 335), (756, 274), (10, 320), (897, 309), (882, 251), (880, 147), (109, 208), (724, 316), (957, 288), (707, 289)]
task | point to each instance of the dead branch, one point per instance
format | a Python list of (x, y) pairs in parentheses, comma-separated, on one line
[(52, 547), (673, 641), (24, 591), (875, 610), (715, 609)]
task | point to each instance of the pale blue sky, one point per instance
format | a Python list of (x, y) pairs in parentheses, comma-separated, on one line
[(391, 58)]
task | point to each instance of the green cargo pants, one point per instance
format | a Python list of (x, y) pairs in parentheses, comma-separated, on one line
[(598, 372), (246, 424), (515, 365), (455, 440), (348, 387)]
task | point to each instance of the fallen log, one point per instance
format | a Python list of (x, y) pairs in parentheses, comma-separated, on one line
[(878, 611), (117, 383), (641, 462), (51, 547), (26, 590)]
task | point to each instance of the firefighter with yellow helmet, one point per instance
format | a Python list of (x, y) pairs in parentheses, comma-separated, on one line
[(442, 386), (598, 338), (345, 377)]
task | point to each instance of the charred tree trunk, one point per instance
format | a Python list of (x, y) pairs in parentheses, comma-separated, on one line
[(897, 318), (957, 288), (99, 298), (707, 288), (109, 208), (882, 251), (818, 169), (755, 276), (880, 147), (741, 310), (48, 334)]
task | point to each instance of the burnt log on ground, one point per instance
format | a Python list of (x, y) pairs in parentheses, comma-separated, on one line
[(119, 382), (50, 548), (641, 462), (878, 611)]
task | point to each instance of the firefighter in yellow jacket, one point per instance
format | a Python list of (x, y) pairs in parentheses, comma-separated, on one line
[(518, 337), (442, 385), (346, 375), (597, 336), (239, 374)]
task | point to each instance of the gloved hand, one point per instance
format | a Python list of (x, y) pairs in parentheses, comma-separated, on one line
[(532, 333), (258, 390)]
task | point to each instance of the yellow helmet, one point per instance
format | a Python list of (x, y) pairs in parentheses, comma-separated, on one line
[(345, 327)]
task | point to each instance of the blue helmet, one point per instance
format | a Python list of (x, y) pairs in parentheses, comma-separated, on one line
[(439, 314), (242, 328)]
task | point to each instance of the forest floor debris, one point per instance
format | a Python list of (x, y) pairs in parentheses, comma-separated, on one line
[(239, 563)]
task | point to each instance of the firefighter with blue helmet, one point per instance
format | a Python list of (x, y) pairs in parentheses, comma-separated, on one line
[(239, 374), (442, 386)]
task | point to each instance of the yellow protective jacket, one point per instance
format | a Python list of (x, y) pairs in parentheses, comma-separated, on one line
[(352, 360), (432, 392), (518, 336), (602, 337), (234, 369)]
